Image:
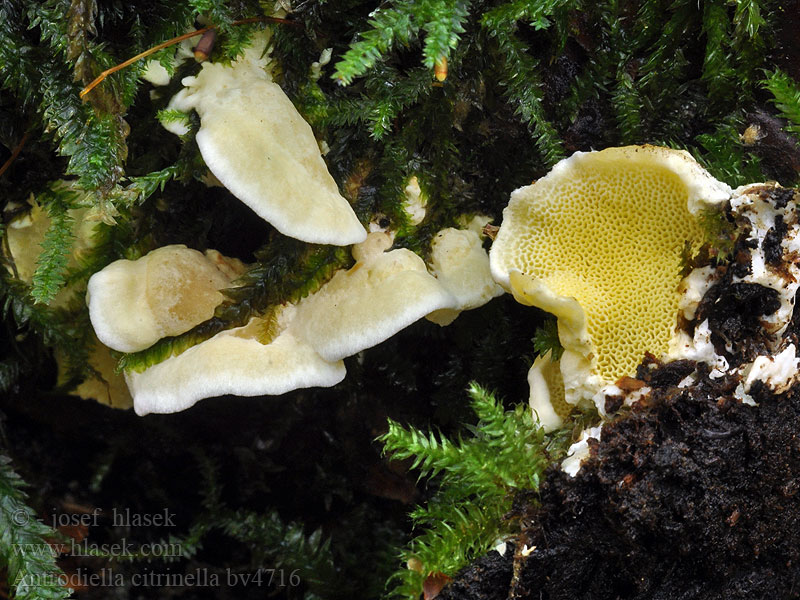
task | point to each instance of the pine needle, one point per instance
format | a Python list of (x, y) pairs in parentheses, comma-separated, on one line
[(15, 153), (99, 79)]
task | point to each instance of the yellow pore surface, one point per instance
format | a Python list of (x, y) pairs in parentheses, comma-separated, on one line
[(611, 237)]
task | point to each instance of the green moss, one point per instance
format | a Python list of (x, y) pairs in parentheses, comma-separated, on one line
[(477, 476)]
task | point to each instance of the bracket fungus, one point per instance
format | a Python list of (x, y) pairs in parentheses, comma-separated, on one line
[(24, 236), (102, 384), (135, 303), (598, 242), (461, 265), (132, 304), (381, 294), (547, 393), (252, 360), (26, 233), (415, 202), (302, 345), (256, 143)]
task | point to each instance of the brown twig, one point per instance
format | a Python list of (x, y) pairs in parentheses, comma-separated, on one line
[(15, 153), (174, 40)]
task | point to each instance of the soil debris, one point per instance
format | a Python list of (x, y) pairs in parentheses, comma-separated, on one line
[(693, 495)]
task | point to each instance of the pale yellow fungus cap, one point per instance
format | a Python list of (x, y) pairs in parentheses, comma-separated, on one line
[(133, 304), (461, 266), (103, 384), (257, 144), (381, 294), (179, 124), (597, 242), (155, 73), (415, 203), (547, 393), (376, 243), (26, 233), (253, 360)]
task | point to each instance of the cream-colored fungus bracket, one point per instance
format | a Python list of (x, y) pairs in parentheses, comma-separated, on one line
[(461, 266), (597, 242), (383, 293), (135, 303), (291, 346), (238, 361), (259, 147)]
